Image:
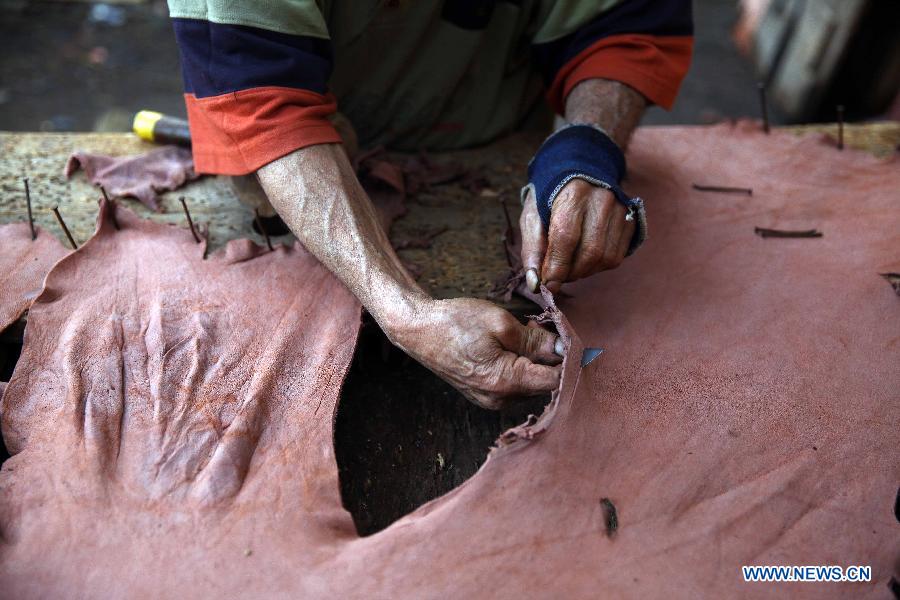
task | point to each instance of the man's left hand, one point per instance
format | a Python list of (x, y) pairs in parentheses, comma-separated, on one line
[(588, 234)]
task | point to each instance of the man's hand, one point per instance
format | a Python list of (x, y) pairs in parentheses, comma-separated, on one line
[(481, 349), (588, 234), (588, 231)]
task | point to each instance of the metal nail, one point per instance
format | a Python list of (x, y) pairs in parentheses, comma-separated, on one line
[(111, 208), (722, 189), (763, 106), (840, 120), (610, 517), (510, 231), (262, 229), (28, 203), (509, 260), (189, 220), (64, 228), (764, 232)]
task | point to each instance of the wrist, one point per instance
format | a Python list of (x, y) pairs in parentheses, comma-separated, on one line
[(403, 318), (611, 105), (586, 152), (574, 152)]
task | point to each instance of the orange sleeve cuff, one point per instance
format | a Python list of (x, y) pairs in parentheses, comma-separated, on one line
[(653, 65), (239, 132)]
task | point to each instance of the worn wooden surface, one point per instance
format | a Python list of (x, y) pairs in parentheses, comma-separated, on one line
[(881, 139)]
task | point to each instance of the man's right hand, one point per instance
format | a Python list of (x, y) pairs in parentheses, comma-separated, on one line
[(481, 349)]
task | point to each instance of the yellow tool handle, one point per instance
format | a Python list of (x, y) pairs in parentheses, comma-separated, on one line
[(161, 129)]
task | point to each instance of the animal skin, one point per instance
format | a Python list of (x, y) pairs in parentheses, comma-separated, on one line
[(23, 265), (171, 418), (140, 176)]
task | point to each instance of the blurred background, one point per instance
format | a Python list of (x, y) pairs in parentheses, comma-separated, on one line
[(83, 66)]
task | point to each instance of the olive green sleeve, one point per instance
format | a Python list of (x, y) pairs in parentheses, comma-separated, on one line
[(559, 18), (294, 17)]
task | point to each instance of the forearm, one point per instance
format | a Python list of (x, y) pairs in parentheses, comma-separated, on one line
[(316, 192), (611, 105)]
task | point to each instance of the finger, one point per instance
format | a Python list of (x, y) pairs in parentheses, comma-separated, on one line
[(530, 379), (534, 343), (617, 223), (534, 242), (565, 231), (593, 238), (559, 347), (516, 376)]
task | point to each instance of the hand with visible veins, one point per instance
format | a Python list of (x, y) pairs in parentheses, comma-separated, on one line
[(476, 346), (588, 234), (482, 350), (588, 230)]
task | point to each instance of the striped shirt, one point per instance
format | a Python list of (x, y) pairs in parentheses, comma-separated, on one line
[(262, 78)]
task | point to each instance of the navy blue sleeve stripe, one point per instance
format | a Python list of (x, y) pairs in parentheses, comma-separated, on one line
[(653, 17), (217, 59)]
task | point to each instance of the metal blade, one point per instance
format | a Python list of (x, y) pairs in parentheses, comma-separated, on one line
[(590, 354)]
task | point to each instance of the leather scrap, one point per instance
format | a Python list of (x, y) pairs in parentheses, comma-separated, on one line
[(140, 176), (23, 265), (168, 409)]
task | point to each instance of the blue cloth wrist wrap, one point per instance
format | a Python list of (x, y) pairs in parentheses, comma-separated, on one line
[(583, 152)]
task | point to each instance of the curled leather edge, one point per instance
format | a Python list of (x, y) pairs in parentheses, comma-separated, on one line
[(535, 426)]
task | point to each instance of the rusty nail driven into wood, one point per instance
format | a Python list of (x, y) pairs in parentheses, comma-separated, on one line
[(509, 236), (262, 229), (109, 202), (509, 227), (28, 203), (189, 220), (840, 120), (763, 106), (64, 228)]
